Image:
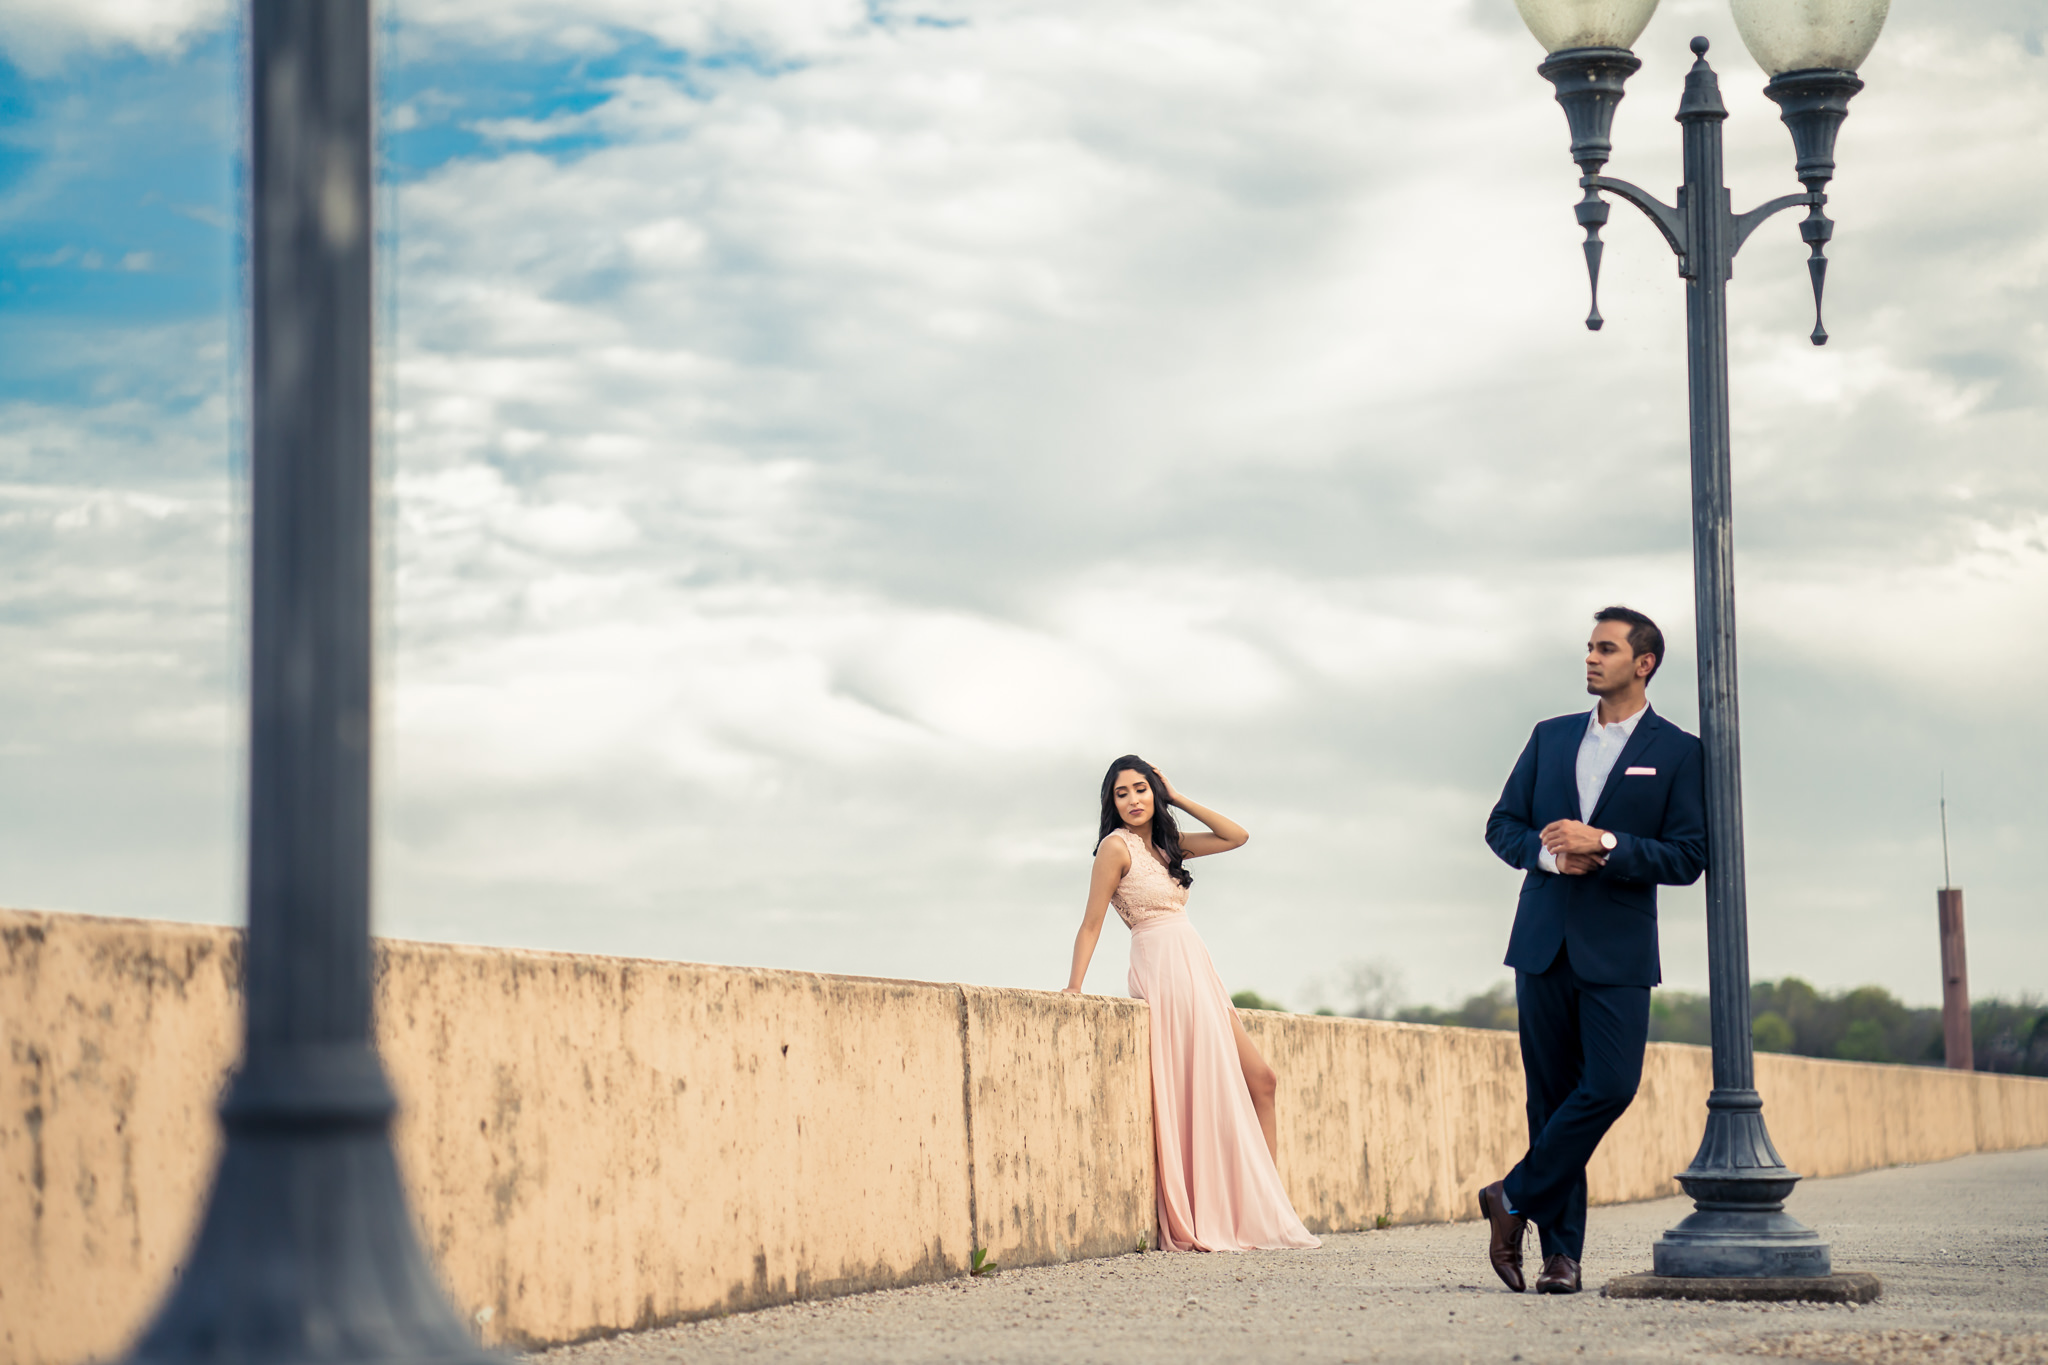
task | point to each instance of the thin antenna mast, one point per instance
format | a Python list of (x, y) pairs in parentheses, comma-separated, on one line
[(1945, 881)]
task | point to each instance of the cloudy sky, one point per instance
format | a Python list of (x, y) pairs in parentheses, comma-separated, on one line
[(819, 434)]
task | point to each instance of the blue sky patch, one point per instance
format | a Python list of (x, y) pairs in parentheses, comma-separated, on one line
[(120, 176), (439, 109), (117, 188)]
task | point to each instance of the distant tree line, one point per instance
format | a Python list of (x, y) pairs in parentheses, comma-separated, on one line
[(1867, 1024), (1491, 1008)]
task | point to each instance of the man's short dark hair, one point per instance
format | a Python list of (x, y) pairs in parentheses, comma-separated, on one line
[(1643, 635)]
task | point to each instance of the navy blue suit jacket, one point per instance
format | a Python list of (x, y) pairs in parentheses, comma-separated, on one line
[(1606, 919)]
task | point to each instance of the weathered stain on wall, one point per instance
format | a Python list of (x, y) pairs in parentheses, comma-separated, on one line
[(599, 1144), (113, 1043), (1059, 1094), (681, 1140), (1395, 1121)]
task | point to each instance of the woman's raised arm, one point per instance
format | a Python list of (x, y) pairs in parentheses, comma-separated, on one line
[(1112, 860), (1222, 835)]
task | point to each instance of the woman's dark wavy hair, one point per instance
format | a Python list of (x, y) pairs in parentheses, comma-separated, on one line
[(1165, 833)]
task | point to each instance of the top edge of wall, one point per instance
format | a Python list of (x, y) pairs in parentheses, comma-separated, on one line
[(130, 923)]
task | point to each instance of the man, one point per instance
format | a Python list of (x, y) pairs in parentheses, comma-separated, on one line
[(1599, 810)]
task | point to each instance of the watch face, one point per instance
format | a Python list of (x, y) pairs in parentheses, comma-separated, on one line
[(1607, 840)]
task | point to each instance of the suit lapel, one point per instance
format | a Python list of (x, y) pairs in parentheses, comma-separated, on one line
[(1630, 752)]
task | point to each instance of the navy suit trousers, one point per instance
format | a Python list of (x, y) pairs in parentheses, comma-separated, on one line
[(1582, 1056)]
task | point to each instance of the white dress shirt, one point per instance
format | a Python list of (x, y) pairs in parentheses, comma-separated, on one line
[(1599, 750)]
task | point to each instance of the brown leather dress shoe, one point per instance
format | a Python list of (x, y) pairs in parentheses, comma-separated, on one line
[(1504, 1236), (1560, 1276)]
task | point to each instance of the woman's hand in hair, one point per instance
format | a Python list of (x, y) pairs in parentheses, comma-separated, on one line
[(1166, 791), (1222, 835)]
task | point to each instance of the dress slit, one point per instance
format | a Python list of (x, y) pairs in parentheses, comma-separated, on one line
[(1218, 1187)]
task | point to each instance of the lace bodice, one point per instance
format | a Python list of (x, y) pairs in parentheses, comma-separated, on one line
[(1146, 892)]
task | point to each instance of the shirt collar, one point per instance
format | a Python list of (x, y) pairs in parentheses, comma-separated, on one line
[(1627, 727)]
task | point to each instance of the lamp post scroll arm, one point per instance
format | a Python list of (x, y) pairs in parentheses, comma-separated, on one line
[(1746, 223), (1662, 214)]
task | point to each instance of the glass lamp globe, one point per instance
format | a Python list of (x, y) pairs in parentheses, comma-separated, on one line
[(1807, 35), (1561, 25)]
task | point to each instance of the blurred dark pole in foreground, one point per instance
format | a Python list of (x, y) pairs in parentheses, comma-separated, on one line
[(307, 1252)]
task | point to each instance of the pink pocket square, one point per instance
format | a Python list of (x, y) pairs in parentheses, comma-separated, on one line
[(1640, 772)]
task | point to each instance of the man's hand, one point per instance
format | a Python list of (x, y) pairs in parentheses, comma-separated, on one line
[(1570, 836), (1579, 864)]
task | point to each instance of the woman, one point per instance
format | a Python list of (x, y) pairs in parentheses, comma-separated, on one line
[(1212, 1093)]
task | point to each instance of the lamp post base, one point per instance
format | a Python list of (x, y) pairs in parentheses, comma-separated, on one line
[(1856, 1286), (1748, 1243), (1738, 1228), (307, 1254)]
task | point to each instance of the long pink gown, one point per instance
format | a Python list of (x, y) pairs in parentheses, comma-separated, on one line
[(1218, 1187)]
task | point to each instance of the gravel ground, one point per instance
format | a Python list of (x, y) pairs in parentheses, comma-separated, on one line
[(1962, 1248)]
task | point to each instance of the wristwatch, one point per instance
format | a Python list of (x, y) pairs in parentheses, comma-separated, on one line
[(1607, 840)]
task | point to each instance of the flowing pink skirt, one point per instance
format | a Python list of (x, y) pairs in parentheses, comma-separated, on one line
[(1218, 1187)]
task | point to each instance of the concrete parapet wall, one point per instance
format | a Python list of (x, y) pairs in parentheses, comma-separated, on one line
[(1397, 1121), (592, 1144), (1059, 1102), (599, 1144), (595, 1144), (113, 1039)]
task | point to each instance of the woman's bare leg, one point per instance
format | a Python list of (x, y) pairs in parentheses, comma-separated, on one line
[(1259, 1078)]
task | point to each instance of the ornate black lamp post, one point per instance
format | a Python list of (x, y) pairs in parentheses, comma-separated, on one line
[(307, 1253), (1811, 48)]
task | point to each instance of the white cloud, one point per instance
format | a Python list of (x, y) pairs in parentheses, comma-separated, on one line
[(39, 35), (1974, 613), (802, 491), (780, 29), (989, 400)]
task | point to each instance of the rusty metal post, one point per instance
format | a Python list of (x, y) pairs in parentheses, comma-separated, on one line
[(1955, 980)]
